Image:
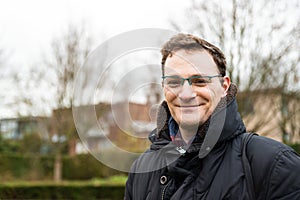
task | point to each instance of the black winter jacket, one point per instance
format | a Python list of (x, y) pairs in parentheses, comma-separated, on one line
[(211, 168)]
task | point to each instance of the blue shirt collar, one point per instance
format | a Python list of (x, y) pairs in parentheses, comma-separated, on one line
[(173, 127)]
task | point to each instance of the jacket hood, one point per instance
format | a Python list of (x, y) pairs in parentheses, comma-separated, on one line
[(224, 124)]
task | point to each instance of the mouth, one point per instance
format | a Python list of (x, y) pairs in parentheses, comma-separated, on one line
[(189, 109), (189, 106)]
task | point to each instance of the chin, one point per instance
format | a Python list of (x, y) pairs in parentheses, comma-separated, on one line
[(190, 120), (190, 123)]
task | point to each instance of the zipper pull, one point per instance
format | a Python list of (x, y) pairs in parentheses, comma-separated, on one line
[(181, 150)]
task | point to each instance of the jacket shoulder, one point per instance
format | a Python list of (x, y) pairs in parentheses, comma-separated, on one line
[(261, 148), (263, 153), (275, 168)]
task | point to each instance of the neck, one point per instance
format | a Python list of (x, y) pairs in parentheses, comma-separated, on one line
[(187, 133)]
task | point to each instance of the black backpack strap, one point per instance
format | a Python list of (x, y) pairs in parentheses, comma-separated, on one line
[(246, 165)]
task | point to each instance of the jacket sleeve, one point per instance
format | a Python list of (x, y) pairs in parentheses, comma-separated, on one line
[(128, 187), (284, 182)]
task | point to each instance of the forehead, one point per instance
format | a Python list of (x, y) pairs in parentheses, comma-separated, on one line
[(191, 63)]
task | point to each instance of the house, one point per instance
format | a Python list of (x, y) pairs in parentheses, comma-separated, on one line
[(16, 128), (31, 132), (124, 124), (99, 126), (271, 113)]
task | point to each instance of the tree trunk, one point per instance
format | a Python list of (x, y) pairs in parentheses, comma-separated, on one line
[(57, 168), (72, 146)]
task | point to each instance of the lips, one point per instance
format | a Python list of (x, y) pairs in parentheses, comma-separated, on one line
[(189, 106), (188, 109)]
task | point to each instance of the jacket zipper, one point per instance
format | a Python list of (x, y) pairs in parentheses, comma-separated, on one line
[(164, 190)]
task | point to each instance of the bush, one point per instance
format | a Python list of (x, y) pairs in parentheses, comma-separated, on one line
[(296, 147), (40, 167), (8, 146), (83, 167), (16, 166)]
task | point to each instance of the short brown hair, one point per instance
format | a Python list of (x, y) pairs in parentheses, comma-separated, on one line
[(192, 43)]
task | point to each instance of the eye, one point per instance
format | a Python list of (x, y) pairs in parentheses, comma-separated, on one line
[(200, 81), (173, 82)]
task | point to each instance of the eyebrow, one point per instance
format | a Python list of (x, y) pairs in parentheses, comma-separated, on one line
[(188, 76)]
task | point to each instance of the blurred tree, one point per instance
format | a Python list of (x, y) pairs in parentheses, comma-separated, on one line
[(19, 84), (8, 146), (30, 98), (31, 143), (3, 80), (261, 43), (290, 117), (68, 54)]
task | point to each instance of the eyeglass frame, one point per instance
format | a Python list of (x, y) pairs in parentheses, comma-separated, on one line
[(189, 79)]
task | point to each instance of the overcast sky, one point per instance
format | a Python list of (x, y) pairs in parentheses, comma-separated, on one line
[(27, 28)]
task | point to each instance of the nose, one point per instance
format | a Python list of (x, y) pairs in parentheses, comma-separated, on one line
[(186, 92)]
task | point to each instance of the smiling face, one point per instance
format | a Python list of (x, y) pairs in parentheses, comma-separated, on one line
[(192, 105)]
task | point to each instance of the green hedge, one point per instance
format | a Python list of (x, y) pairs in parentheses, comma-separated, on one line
[(40, 167), (296, 147), (15, 166), (89, 192), (83, 167)]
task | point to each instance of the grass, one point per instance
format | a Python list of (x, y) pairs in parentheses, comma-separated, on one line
[(111, 181), (111, 188)]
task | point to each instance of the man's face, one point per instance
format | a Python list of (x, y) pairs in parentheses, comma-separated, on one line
[(192, 105)]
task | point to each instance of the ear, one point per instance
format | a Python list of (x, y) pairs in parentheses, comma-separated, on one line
[(226, 84)]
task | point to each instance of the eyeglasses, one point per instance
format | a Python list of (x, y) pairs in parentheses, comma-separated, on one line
[(197, 81)]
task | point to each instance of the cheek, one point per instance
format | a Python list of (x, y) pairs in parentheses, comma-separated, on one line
[(214, 95), (169, 96), (205, 94)]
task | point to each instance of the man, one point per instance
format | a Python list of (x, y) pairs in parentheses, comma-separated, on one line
[(199, 150)]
